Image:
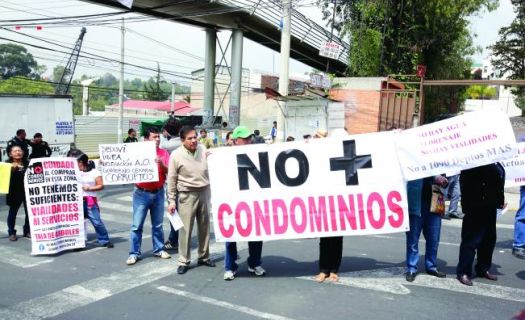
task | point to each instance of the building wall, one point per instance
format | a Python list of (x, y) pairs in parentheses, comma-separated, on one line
[(362, 98)]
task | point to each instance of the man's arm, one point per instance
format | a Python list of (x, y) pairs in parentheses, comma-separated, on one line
[(48, 150), (172, 182)]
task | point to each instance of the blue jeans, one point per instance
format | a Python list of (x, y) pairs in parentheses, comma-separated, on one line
[(11, 219), (453, 193), (519, 225), (254, 250), (142, 202), (430, 224), (93, 215)]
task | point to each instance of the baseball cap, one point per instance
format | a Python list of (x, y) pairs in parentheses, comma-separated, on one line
[(241, 132)]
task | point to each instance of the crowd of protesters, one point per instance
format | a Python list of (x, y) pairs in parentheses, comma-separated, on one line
[(183, 178)]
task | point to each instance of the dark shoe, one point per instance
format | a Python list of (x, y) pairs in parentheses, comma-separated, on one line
[(488, 275), (519, 253), (207, 263), (27, 235), (456, 215), (464, 279), (108, 245), (436, 273), (446, 217), (13, 237), (182, 269), (171, 246), (410, 276)]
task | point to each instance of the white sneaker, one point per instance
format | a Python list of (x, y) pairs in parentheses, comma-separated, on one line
[(132, 259), (258, 271), (229, 275), (163, 255)]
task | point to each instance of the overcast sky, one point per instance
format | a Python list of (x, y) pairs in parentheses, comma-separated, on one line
[(177, 47)]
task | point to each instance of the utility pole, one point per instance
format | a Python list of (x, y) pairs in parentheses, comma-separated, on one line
[(172, 97), (121, 86), (285, 48), (284, 72)]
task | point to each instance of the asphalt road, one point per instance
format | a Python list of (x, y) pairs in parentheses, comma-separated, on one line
[(96, 283)]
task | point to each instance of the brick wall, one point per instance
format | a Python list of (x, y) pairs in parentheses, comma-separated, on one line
[(361, 109)]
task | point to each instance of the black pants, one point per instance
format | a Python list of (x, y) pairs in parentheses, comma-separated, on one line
[(478, 234), (11, 218), (330, 254)]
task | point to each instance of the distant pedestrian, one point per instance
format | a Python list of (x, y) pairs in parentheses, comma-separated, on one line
[(16, 196), (189, 185), (257, 137), (453, 193), (205, 140), (229, 139), (149, 196), (91, 181), (21, 141), (172, 129), (273, 132), (482, 194), (132, 136), (39, 148)]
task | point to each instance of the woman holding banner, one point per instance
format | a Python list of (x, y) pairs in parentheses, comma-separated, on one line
[(91, 181), (421, 219), (16, 196), (330, 248)]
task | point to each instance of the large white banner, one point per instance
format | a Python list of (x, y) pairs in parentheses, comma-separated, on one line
[(515, 168), (336, 186), (54, 202), (462, 142), (125, 163)]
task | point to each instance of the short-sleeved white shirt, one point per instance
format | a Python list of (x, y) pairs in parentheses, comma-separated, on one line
[(88, 179)]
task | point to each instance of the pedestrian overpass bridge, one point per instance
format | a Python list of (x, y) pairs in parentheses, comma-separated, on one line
[(259, 21)]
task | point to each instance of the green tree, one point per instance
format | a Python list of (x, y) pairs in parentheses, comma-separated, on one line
[(156, 87), (481, 92), (20, 85), (58, 71), (394, 36), (508, 53), (15, 60)]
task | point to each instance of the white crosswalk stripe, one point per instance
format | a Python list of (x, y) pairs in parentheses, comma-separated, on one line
[(96, 289)]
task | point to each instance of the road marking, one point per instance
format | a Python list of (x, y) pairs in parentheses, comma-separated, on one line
[(391, 280), (223, 304), (16, 257), (115, 206), (421, 240), (87, 292), (126, 198), (458, 223)]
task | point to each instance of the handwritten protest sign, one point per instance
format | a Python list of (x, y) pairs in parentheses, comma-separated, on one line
[(125, 163), (515, 168), (458, 143), (336, 186), (5, 176), (54, 201)]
